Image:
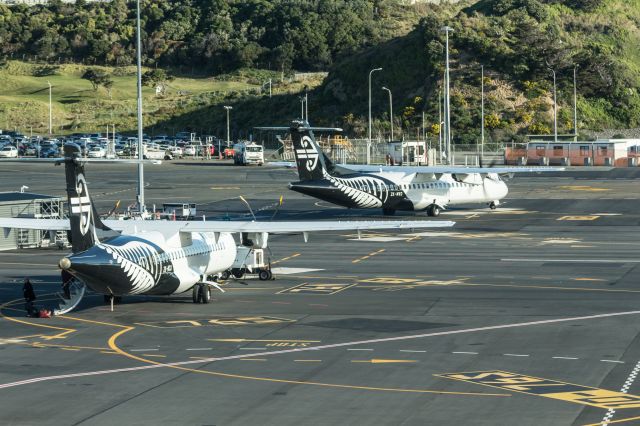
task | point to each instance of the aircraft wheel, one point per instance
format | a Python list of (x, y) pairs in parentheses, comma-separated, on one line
[(238, 273), (493, 205), (264, 274), (388, 212), (196, 293), (205, 294), (433, 210), (224, 275)]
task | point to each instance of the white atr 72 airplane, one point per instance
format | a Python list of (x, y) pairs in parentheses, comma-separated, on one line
[(419, 188), (122, 257)]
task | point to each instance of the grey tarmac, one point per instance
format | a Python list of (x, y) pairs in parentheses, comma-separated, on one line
[(525, 315)]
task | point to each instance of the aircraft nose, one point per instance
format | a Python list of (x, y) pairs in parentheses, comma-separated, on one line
[(65, 263)]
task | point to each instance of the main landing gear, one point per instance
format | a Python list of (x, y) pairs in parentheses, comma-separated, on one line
[(493, 205), (201, 293), (433, 210)]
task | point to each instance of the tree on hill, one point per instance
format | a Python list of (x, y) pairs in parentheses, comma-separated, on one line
[(157, 78), (98, 78)]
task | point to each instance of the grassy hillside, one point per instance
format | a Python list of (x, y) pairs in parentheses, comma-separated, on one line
[(516, 40)]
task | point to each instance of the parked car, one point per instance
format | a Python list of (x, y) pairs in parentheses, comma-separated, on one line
[(189, 150), (96, 152), (9, 152), (50, 152), (176, 151)]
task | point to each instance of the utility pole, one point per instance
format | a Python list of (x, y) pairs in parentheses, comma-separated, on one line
[(369, 138), (447, 98), (50, 114), (228, 108), (301, 107), (141, 206), (391, 111)]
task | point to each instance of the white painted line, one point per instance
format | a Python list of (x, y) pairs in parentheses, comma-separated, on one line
[(200, 349), (317, 348), (574, 260), (359, 349), (564, 357), (466, 353), (143, 350), (289, 271), (625, 388), (409, 350), (611, 360), (514, 355)]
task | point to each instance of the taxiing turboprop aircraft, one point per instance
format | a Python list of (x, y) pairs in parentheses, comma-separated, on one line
[(393, 188), (162, 257)]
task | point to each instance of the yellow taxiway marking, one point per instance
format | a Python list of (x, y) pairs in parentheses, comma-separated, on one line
[(384, 361), (264, 340), (51, 345), (286, 258), (588, 279), (583, 188), (113, 345), (62, 335), (564, 391), (579, 218), (325, 289), (374, 253)]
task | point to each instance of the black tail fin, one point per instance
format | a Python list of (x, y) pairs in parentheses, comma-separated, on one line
[(82, 214), (311, 161)]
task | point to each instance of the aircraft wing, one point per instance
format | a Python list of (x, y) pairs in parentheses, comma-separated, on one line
[(27, 223), (277, 227), (449, 169)]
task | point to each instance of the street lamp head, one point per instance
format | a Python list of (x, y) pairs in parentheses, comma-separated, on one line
[(446, 29), (227, 107), (384, 88)]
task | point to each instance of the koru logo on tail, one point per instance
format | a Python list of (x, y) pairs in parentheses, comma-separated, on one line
[(308, 152), (82, 204)]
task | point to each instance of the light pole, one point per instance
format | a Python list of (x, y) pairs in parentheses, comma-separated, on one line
[(141, 206), (306, 103), (390, 111), (50, 116), (228, 108), (369, 138), (575, 104), (269, 83), (482, 114), (447, 107), (301, 107), (555, 108)]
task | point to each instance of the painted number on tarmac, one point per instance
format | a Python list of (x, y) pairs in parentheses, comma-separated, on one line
[(316, 288), (569, 392), (217, 321), (579, 218)]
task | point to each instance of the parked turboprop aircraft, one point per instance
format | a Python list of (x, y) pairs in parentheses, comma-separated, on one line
[(122, 257), (394, 187)]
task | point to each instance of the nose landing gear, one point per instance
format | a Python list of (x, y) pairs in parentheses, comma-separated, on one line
[(433, 210)]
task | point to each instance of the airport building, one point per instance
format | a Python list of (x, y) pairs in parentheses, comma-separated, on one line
[(29, 205), (605, 152)]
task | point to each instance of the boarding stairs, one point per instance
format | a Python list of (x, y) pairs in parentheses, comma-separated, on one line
[(76, 289)]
